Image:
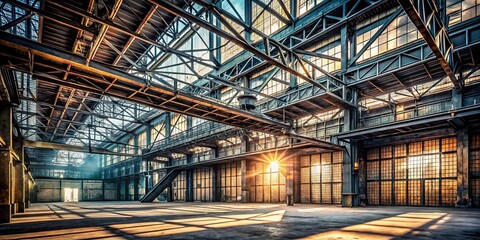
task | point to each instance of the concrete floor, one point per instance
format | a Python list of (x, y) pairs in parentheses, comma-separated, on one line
[(132, 220)]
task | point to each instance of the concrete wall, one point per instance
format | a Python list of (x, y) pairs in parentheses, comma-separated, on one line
[(52, 190), (110, 191), (92, 190), (48, 191)]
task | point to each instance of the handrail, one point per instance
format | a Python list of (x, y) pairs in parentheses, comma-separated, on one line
[(418, 111)]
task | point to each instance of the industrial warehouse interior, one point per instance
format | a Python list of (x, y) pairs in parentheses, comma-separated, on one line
[(240, 119)]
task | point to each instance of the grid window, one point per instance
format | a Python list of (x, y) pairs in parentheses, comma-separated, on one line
[(337, 192), (386, 196), (305, 193), (337, 173), (415, 148), (401, 168), (431, 192), (449, 144), (326, 158), (326, 193), (330, 48), (180, 187), (227, 94), (414, 192), (179, 124), (386, 169), (431, 166), (400, 32), (449, 192), (326, 173), (475, 141), (315, 193), (229, 177), (315, 159), (305, 161), (315, 173), (266, 22), (415, 167), (372, 154), (338, 157), (157, 133), (475, 162), (372, 170), (202, 178), (373, 192), (400, 188), (459, 11), (418, 173), (306, 5), (305, 175), (272, 183), (449, 165), (321, 180), (475, 191), (474, 168), (386, 152), (431, 146), (401, 150), (229, 49)]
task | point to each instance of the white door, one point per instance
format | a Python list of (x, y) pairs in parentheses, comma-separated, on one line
[(71, 194)]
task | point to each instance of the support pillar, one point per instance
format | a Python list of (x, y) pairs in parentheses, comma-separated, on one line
[(19, 187), (463, 199), (136, 187), (214, 184), (27, 189), (297, 193), (13, 206), (189, 185), (245, 182), (350, 178), (289, 181), (5, 163)]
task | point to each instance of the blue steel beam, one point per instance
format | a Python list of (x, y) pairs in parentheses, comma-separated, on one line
[(426, 17)]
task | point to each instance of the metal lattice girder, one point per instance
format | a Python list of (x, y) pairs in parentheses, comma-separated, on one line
[(104, 22), (338, 14), (154, 95), (68, 147), (283, 62), (427, 18)]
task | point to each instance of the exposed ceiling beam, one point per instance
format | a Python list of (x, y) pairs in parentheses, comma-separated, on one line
[(73, 148), (426, 17)]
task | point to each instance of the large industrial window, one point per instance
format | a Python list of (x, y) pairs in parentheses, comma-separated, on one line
[(400, 32), (201, 154), (459, 11), (267, 183), (266, 22), (202, 184), (228, 48), (229, 146), (474, 166), (306, 5), (417, 174), (229, 181), (180, 187), (142, 140), (157, 133), (178, 123), (321, 178), (229, 95), (331, 47)]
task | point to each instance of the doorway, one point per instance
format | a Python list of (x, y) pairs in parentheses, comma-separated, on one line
[(71, 194)]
